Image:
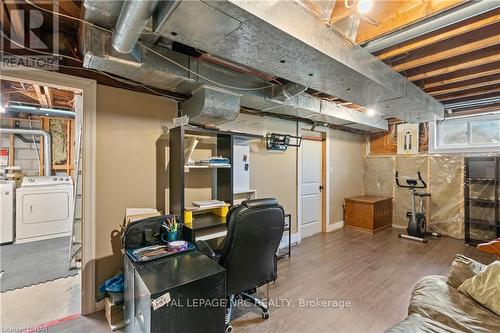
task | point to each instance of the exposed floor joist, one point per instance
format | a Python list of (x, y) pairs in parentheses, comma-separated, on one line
[(464, 85), (484, 92), (451, 48), (464, 27), (462, 75)]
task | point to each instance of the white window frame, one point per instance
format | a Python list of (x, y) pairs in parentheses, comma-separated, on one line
[(435, 129)]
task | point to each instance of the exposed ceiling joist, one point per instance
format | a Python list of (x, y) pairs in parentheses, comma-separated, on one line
[(477, 58), (467, 26), (465, 85), (472, 93), (462, 75), (450, 48)]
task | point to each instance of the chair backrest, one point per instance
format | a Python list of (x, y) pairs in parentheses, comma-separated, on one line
[(254, 232)]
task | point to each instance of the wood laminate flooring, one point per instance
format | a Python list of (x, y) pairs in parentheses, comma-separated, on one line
[(375, 273)]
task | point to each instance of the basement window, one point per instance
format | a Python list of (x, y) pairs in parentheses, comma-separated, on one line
[(466, 134)]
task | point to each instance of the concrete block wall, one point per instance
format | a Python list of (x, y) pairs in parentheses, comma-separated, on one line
[(25, 154)]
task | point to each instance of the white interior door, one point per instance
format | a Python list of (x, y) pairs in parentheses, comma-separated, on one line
[(310, 186)]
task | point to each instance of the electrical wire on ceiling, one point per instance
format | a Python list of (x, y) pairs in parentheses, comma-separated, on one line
[(122, 80), (150, 49)]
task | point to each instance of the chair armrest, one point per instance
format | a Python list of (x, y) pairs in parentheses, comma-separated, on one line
[(204, 248)]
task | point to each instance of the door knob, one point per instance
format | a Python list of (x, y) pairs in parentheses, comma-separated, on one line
[(321, 188)]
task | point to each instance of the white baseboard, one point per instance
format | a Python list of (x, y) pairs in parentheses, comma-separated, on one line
[(335, 226)]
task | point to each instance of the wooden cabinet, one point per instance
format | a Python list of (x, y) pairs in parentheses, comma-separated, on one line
[(368, 213)]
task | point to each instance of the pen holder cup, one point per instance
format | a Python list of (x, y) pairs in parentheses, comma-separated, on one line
[(172, 236)]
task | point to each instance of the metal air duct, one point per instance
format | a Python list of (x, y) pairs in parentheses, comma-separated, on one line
[(157, 72), (47, 146), (211, 106), (48, 112), (133, 18)]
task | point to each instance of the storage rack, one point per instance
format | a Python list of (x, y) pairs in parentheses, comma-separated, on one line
[(481, 189), (222, 184)]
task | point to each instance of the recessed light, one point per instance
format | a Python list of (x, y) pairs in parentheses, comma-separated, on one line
[(364, 6)]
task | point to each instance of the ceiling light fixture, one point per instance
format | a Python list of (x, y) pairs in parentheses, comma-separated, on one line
[(370, 112), (364, 6)]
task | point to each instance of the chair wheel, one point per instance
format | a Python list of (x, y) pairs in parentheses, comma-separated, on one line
[(425, 241), (265, 315), (229, 329)]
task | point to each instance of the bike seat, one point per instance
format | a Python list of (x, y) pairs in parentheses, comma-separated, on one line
[(422, 194)]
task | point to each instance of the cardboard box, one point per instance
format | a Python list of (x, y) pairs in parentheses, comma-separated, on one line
[(114, 312)]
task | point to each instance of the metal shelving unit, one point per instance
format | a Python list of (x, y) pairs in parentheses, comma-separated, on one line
[(481, 190)]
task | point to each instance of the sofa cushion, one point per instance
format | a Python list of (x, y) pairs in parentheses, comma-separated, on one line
[(434, 299), (485, 287), (463, 268)]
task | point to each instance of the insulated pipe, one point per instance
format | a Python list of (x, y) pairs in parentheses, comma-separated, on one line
[(41, 111), (133, 18), (47, 151)]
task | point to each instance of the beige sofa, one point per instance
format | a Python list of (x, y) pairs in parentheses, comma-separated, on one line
[(436, 306)]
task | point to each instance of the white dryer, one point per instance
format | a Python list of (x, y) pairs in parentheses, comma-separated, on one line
[(44, 208)]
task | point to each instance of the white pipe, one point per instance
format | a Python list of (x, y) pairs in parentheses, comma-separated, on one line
[(47, 151)]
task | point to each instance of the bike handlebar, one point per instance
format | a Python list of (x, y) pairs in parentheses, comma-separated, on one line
[(419, 178)]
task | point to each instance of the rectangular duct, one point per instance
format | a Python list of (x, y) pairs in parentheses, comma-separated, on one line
[(211, 106), (286, 40), (155, 71)]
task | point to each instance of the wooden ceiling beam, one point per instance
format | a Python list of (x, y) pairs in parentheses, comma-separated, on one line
[(462, 75), (70, 8), (48, 96), (475, 110), (457, 63), (473, 93), (451, 48), (465, 85), (42, 99), (396, 21), (459, 29)]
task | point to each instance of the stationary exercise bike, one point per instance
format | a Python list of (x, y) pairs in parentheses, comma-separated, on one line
[(416, 220)]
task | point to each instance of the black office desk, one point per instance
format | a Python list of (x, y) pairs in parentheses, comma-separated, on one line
[(185, 279)]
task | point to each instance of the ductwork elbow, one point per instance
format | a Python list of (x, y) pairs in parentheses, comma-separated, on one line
[(133, 18), (47, 147)]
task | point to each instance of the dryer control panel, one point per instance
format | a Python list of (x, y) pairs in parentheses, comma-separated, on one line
[(46, 181)]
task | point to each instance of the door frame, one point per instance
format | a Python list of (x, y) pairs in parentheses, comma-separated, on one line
[(88, 89), (325, 178)]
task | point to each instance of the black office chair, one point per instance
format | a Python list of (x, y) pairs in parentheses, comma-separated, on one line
[(254, 232)]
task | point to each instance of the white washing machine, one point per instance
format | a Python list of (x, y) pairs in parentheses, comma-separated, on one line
[(7, 196), (43, 208)]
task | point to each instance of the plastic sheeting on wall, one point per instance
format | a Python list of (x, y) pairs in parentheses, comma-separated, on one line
[(408, 165), (444, 177), (446, 209), (378, 177)]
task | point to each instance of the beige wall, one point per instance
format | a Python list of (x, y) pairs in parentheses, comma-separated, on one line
[(130, 147), (128, 126), (347, 152)]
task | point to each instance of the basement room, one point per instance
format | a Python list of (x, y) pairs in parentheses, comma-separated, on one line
[(250, 166)]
